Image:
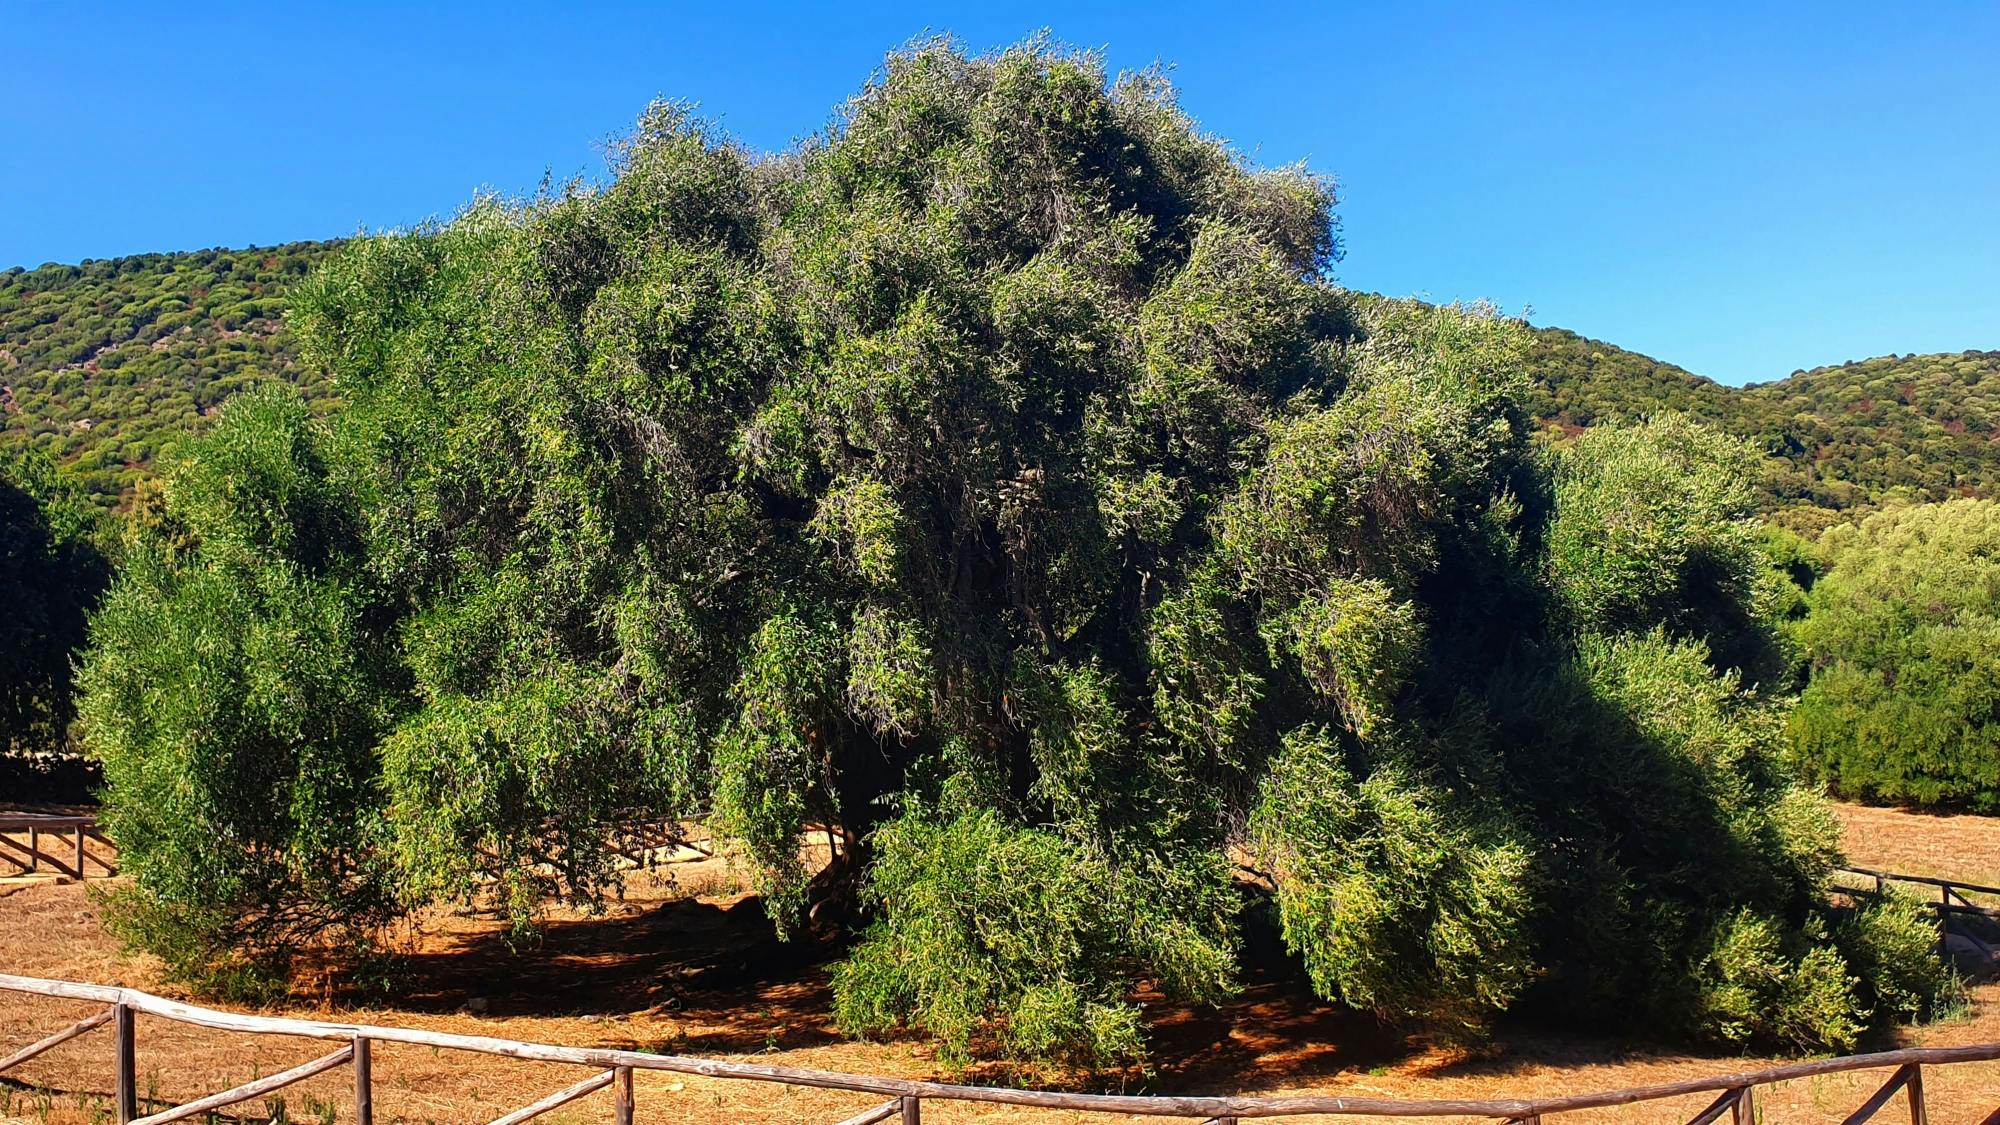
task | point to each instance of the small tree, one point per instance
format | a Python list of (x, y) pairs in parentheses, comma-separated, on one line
[(52, 572), (51, 575), (234, 694)]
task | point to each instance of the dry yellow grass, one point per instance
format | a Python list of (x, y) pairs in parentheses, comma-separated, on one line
[(691, 969), (1941, 845)]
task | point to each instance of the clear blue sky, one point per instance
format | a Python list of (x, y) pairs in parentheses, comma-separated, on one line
[(1742, 189)]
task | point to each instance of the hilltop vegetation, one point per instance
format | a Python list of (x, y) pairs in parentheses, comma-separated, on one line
[(107, 364), (997, 490), (1915, 428), (1840, 441)]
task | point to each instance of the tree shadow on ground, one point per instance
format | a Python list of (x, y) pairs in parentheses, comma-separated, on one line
[(715, 963), (708, 976), (1273, 1032)]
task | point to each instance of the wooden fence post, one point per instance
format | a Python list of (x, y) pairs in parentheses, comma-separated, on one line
[(622, 1090), (913, 1111), (128, 1071), (1744, 1112), (34, 848), (364, 1083), (1915, 1088), (79, 853)]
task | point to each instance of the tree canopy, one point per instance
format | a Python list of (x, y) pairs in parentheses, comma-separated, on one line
[(52, 571), (1904, 635), (107, 364), (998, 488)]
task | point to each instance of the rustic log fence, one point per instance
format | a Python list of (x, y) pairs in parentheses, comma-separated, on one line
[(1735, 1093), (69, 858), (1958, 915)]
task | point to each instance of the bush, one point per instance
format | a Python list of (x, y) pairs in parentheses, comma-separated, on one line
[(1904, 641), (1016, 935), (1397, 903), (52, 571), (235, 699), (1892, 944), (1753, 993)]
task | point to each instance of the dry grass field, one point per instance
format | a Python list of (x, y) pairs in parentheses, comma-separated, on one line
[(688, 967)]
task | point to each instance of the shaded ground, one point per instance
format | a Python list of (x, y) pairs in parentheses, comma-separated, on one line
[(690, 967)]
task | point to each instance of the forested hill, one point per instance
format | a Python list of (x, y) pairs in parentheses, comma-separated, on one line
[(1924, 427), (106, 363)]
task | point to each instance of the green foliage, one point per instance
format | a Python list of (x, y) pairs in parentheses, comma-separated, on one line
[(1653, 529), (1395, 904), (1754, 991), (1877, 431), (1019, 933), (1838, 441), (108, 364), (235, 697), (1904, 639), (998, 488), (52, 571), (1672, 812), (1812, 990), (1891, 943)]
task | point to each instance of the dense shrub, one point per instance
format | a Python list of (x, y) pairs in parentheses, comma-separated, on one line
[(1904, 641), (1753, 990), (1655, 528), (1891, 944), (235, 697), (1019, 933)]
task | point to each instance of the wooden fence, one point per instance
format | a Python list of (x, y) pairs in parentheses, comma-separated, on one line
[(1958, 916), (65, 854), (1735, 1093)]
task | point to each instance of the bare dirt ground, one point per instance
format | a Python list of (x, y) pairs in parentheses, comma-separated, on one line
[(691, 968), (1960, 846)]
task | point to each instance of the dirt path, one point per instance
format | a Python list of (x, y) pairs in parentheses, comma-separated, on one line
[(692, 969)]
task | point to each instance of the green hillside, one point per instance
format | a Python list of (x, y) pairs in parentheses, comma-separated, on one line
[(1842, 439), (105, 364), (1925, 426)]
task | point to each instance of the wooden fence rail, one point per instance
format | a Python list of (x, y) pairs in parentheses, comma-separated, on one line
[(72, 861), (1953, 906), (906, 1096)]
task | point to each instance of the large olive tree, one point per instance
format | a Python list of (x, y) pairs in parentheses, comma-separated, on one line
[(997, 488)]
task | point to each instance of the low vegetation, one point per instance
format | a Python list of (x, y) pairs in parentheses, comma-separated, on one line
[(998, 489)]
